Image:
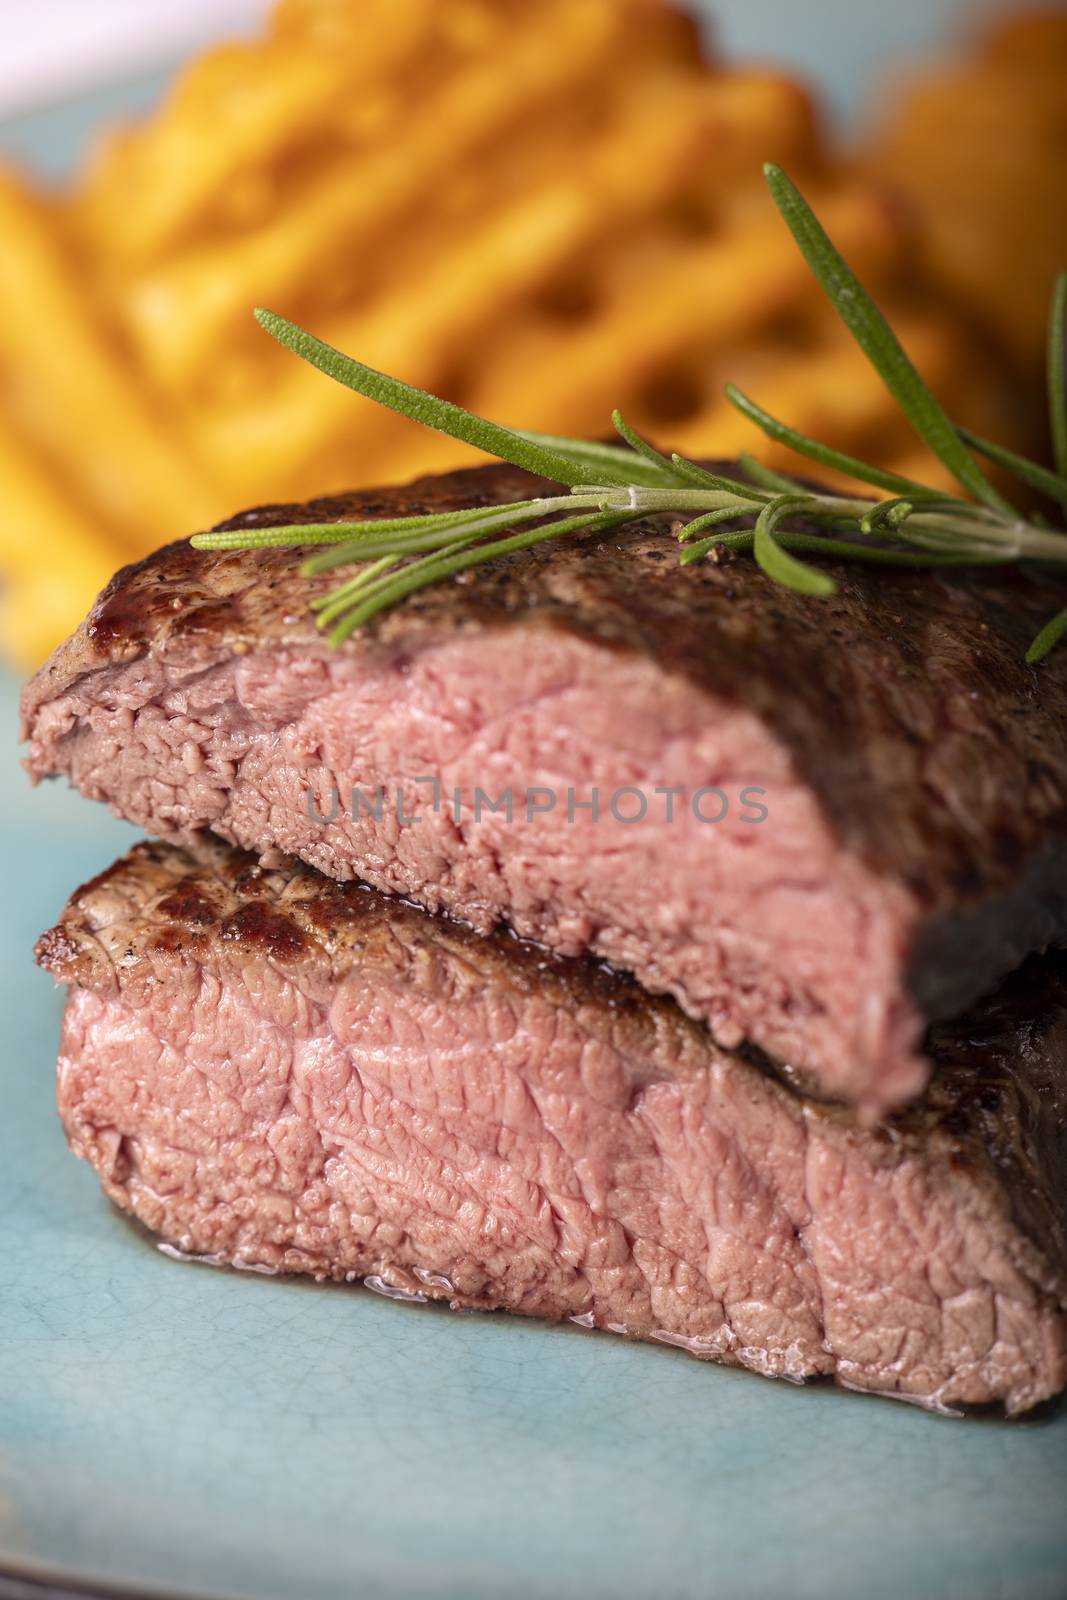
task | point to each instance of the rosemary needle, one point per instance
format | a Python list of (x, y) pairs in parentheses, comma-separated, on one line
[(609, 485)]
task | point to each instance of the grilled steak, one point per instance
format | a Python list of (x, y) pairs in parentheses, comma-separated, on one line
[(272, 1069), (867, 820)]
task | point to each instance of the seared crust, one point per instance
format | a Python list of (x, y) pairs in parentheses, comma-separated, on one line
[(996, 1109), (938, 755), (216, 903)]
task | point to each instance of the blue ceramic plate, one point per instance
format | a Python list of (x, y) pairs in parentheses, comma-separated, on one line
[(172, 1428)]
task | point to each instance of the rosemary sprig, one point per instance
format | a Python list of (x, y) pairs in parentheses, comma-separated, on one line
[(609, 485)]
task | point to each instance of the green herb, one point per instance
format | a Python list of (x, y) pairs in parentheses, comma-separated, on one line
[(610, 485)]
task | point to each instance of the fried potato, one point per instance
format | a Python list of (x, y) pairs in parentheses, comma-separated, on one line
[(327, 74), (421, 324), (724, 289), (178, 311), (63, 378), (199, 164), (176, 315)]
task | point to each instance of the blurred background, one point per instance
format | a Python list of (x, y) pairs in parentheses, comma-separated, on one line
[(540, 208)]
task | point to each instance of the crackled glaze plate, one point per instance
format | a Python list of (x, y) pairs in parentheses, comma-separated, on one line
[(168, 1428)]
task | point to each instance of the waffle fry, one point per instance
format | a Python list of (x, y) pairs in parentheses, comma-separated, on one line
[(178, 311), (428, 319), (690, 301), (543, 212), (233, 114)]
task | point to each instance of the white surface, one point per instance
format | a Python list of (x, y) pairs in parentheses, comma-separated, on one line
[(51, 48)]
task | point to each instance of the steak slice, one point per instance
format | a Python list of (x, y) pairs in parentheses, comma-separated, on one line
[(278, 1071), (913, 769)]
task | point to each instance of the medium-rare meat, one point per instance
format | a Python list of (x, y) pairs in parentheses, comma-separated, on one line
[(275, 1070), (893, 775)]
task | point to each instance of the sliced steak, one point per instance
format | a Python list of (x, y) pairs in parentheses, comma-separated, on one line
[(913, 770), (275, 1070)]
